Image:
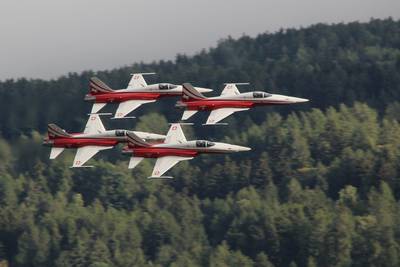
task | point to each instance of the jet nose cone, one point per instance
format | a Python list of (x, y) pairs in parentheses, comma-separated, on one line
[(243, 148), (239, 148), (301, 100), (292, 99), (204, 90)]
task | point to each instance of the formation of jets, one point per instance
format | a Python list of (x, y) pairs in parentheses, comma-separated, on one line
[(169, 149)]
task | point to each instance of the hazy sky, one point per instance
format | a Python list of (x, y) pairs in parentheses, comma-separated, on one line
[(48, 38)]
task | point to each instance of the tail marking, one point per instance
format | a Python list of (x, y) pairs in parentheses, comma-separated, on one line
[(96, 86), (54, 131)]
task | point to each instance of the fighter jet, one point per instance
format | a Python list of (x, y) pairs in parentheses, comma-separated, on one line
[(93, 139), (230, 101), (175, 148), (136, 94)]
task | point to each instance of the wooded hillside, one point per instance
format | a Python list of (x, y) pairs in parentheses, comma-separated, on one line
[(321, 186)]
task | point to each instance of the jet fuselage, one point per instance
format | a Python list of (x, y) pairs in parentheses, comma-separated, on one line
[(184, 149), (107, 138), (150, 92), (243, 100)]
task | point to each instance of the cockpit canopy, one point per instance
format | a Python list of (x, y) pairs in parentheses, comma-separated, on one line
[(166, 86), (259, 94), (204, 143)]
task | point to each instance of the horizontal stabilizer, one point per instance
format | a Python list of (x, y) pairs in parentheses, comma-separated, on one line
[(97, 106), (188, 113), (55, 152), (134, 161)]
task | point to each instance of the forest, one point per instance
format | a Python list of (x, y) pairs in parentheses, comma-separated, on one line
[(321, 186)]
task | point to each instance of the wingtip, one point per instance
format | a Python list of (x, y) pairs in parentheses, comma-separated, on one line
[(160, 177)]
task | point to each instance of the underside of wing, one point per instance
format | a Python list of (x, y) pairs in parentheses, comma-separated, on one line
[(94, 125), (83, 154), (97, 106), (55, 151), (134, 161), (188, 113), (219, 114), (126, 107), (163, 164)]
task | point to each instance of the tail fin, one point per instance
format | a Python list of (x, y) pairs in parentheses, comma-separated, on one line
[(190, 93), (135, 141), (54, 131), (96, 86)]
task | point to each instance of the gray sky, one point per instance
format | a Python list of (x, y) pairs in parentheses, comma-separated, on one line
[(48, 38)]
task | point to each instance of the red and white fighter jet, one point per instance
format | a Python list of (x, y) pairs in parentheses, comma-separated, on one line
[(230, 101), (175, 148), (94, 139), (136, 94)]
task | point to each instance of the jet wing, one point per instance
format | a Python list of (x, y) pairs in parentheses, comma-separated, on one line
[(163, 164), (134, 161), (219, 114), (175, 134), (126, 107), (97, 106), (55, 151), (94, 125), (188, 113), (137, 80), (85, 153), (230, 89)]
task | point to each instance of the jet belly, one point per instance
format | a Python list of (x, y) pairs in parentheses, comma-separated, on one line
[(126, 96), (211, 104), (80, 142), (156, 152)]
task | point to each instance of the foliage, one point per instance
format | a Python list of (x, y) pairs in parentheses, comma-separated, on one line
[(320, 188)]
